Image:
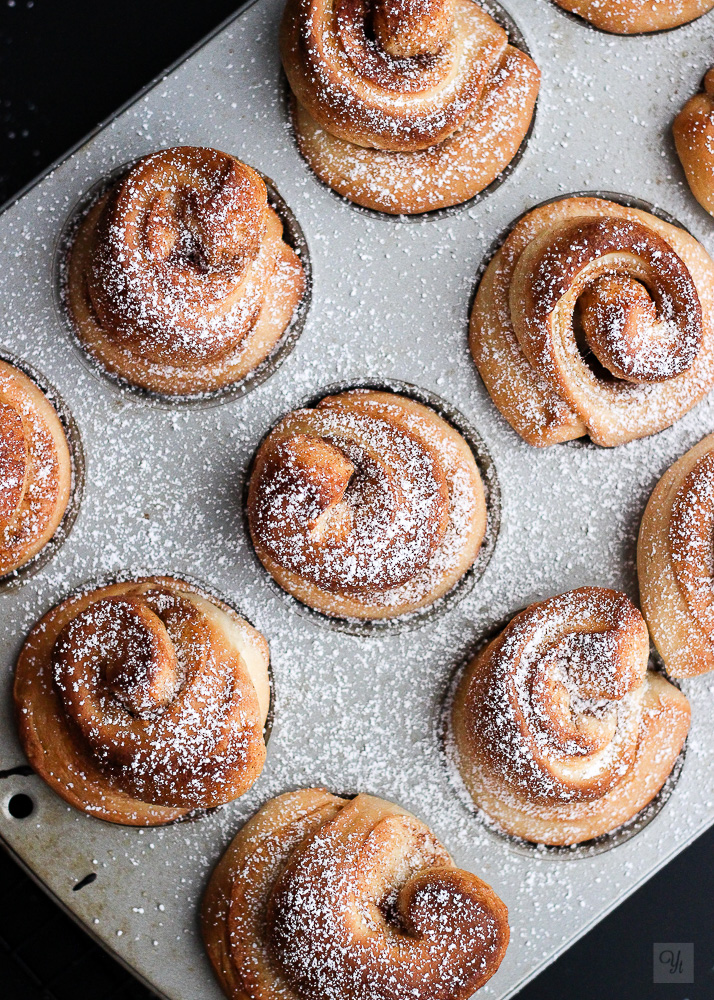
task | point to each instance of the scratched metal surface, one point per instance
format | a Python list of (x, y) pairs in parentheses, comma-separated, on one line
[(163, 486)]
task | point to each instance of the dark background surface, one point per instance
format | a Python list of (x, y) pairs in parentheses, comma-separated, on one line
[(64, 66)]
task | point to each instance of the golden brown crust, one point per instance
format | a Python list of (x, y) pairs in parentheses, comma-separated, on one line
[(409, 28), (241, 883), (319, 897), (369, 505), (179, 279), (35, 469), (642, 293), (694, 138), (631, 17), (423, 118), (142, 701), (674, 563), (561, 732)]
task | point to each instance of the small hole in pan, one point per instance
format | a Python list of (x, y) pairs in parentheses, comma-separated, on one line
[(20, 806)]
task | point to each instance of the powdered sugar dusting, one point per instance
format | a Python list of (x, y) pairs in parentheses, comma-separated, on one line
[(397, 523), (635, 16), (353, 712), (407, 135)]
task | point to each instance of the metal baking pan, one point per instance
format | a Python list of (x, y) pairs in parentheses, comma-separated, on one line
[(163, 487)]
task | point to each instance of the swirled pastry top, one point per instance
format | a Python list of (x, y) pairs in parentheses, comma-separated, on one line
[(694, 138), (675, 566), (35, 469), (595, 318), (369, 504), (630, 17), (562, 733), (179, 279), (142, 701), (405, 106), (397, 76), (320, 898)]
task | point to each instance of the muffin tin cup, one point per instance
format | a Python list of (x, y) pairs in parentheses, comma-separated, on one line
[(293, 236), (516, 38), (527, 848), (492, 491), (19, 576), (584, 23), (202, 589)]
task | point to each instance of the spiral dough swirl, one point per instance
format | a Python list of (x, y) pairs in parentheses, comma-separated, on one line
[(140, 702), (595, 319), (179, 279), (405, 106), (561, 732), (368, 505), (319, 898)]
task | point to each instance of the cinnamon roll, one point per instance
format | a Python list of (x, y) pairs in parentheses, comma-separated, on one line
[(694, 138), (561, 732), (368, 505), (179, 279), (674, 563), (35, 469), (141, 702), (405, 106), (321, 898), (633, 17), (597, 319)]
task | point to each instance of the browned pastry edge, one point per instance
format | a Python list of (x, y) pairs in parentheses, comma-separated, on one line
[(693, 130), (674, 563), (632, 17), (33, 510)]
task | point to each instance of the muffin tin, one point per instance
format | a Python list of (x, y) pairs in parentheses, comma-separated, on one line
[(163, 488)]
